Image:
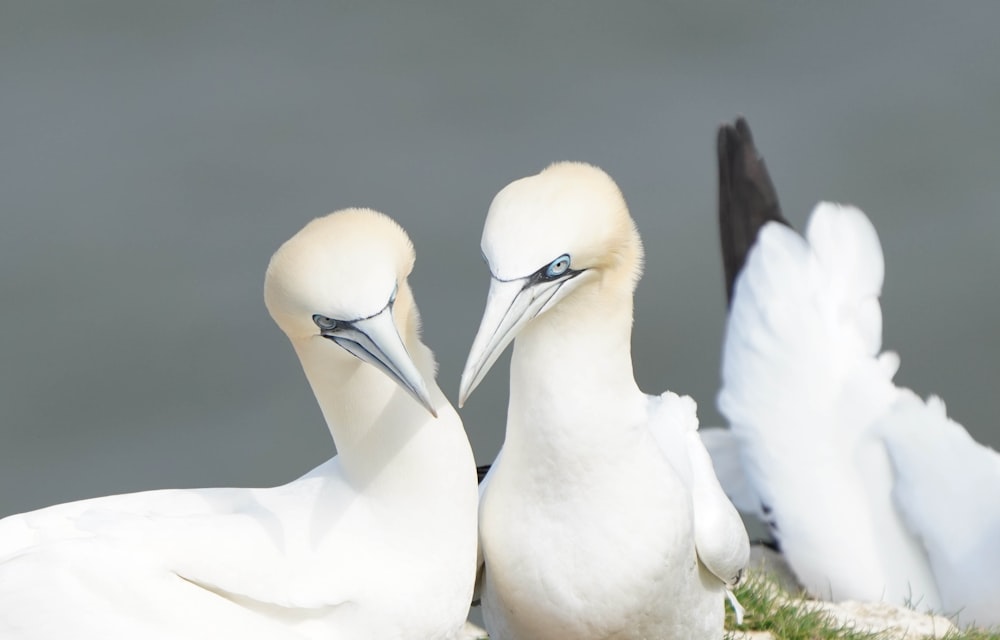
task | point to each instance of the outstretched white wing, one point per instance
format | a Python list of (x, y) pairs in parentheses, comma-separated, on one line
[(803, 384)]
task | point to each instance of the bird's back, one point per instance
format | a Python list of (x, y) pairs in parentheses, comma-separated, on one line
[(282, 562)]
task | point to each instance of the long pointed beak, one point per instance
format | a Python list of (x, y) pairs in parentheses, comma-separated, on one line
[(509, 306), (376, 341)]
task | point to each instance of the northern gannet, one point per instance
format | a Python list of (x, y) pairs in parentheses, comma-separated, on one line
[(871, 492), (378, 542), (603, 500)]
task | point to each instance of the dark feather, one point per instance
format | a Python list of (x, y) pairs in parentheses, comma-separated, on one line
[(747, 199)]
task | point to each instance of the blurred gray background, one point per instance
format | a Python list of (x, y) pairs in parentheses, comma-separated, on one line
[(154, 155)]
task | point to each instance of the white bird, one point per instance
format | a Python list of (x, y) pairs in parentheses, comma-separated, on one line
[(871, 493), (602, 501), (378, 542)]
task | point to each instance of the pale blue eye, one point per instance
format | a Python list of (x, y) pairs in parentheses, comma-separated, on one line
[(558, 266), (324, 323)]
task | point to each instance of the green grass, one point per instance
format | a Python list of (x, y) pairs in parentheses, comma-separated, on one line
[(788, 617)]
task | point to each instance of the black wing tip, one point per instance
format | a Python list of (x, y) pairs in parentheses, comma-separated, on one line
[(747, 197), (739, 158), (735, 139), (743, 128)]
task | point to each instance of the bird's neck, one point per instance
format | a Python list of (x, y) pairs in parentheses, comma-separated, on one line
[(380, 431), (571, 375)]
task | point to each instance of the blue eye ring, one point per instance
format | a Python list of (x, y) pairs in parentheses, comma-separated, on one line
[(558, 266), (325, 323)]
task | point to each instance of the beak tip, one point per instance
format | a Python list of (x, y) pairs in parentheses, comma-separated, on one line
[(463, 391), (424, 399)]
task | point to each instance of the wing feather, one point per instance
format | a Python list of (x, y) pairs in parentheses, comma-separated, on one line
[(195, 549), (802, 387), (947, 487), (720, 538)]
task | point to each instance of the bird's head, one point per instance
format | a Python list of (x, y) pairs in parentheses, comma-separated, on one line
[(550, 238), (342, 279)]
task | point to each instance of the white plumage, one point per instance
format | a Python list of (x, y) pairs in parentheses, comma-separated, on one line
[(872, 493), (947, 489), (595, 516), (802, 386), (378, 542)]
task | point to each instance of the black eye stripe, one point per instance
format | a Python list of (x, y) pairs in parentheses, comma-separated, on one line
[(328, 324), (540, 276), (544, 274)]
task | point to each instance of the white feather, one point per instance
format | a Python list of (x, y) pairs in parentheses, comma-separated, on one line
[(594, 522), (378, 542), (802, 388), (947, 488), (724, 451)]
